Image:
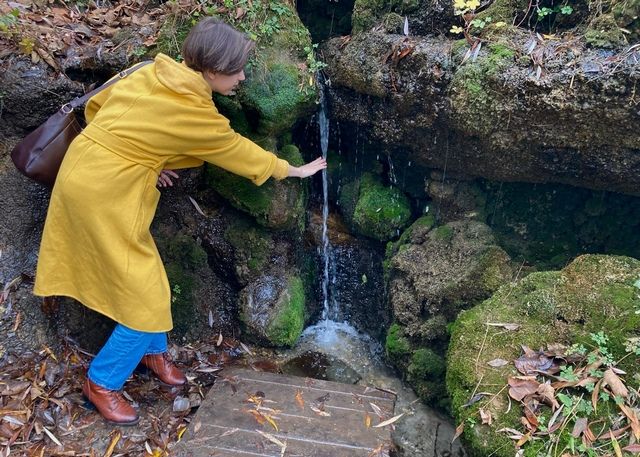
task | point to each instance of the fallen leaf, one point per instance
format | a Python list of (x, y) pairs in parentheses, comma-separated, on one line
[(531, 362), (271, 438), (485, 416), (219, 342), (519, 387), (632, 448), (548, 394), (112, 445), (389, 421), (319, 412), (496, 363), (616, 384), (579, 427), (197, 207), (523, 440), (52, 436), (246, 349), (507, 326), (299, 399), (367, 420), (459, 430)]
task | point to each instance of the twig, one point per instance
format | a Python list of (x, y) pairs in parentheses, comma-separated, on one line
[(484, 340)]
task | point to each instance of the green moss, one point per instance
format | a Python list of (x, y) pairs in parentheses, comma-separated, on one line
[(231, 108), (425, 364), (241, 193), (254, 243), (367, 13), (291, 154), (275, 98), (443, 233), (593, 293), (286, 327), (475, 103), (183, 257), (397, 345), (381, 212), (172, 34), (603, 32)]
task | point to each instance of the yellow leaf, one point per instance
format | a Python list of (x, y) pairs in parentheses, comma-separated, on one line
[(181, 432), (112, 446), (367, 420)]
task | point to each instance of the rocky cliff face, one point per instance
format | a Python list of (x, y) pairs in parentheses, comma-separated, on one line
[(522, 108)]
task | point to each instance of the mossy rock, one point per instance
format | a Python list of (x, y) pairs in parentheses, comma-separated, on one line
[(594, 293), (391, 13), (627, 15), (273, 310), (275, 204), (231, 108), (252, 244), (475, 105), (373, 209), (183, 257), (272, 95), (604, 32)]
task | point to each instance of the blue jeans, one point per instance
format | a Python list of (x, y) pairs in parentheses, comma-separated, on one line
[(121, 354)]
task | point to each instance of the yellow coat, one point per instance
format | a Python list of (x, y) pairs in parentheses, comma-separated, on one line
[(96, 246)]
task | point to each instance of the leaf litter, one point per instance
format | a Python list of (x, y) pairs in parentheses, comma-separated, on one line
[(561, 390), (43, 412)]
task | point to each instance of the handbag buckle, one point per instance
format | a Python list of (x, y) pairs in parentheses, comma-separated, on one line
[(66, 108)]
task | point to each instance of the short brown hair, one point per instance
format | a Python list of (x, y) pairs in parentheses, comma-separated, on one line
[(212, 45)]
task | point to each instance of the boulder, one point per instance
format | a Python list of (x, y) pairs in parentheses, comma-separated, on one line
[(594, 293)]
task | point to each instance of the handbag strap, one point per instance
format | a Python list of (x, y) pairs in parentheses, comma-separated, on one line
[(76, 102)]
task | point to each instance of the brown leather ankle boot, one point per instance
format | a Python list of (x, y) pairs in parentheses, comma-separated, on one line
[(164, 369), (111, 404)]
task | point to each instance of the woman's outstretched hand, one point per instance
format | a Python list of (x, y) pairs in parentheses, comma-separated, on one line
[(308, 169), (164, 179)]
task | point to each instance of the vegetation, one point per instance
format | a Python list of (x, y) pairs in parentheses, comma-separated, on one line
[(287, 325), (593, 303)]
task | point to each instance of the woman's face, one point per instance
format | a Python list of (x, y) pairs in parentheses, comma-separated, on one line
[(223, 84)]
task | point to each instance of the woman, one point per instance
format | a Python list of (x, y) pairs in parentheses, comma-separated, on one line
[(96, 246)]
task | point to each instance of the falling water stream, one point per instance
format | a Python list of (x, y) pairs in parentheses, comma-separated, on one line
[(333, 349)]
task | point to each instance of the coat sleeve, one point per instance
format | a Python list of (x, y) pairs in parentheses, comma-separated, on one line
[(220, 145)]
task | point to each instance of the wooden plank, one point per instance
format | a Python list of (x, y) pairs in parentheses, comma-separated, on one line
[(226, 426)]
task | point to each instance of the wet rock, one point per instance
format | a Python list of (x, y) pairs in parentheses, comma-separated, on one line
[(355, 277), (275, 204), (424, 18), (373, 209), (273, 309), (471, 104), (554, 307), (318, 365), (436, 274)]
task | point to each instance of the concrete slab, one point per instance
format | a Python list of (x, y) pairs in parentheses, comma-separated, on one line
[(248, 413)]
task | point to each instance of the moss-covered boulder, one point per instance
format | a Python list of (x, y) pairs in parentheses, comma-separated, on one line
[(592, 294), (423, 17), (373, 209), (604, 32), (275, 204), (273, 97), (435, 274), (272, 309)]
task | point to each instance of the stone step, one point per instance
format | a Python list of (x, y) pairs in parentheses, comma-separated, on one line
[(314, 418)]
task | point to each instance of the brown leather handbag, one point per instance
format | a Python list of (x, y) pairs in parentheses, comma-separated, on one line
[(39, 155)]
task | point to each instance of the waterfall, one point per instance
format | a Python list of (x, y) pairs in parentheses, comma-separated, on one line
[(326, 331), (323, 124)]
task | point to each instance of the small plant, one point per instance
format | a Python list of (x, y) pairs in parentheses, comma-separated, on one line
[(9, 21), (176, 293)]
